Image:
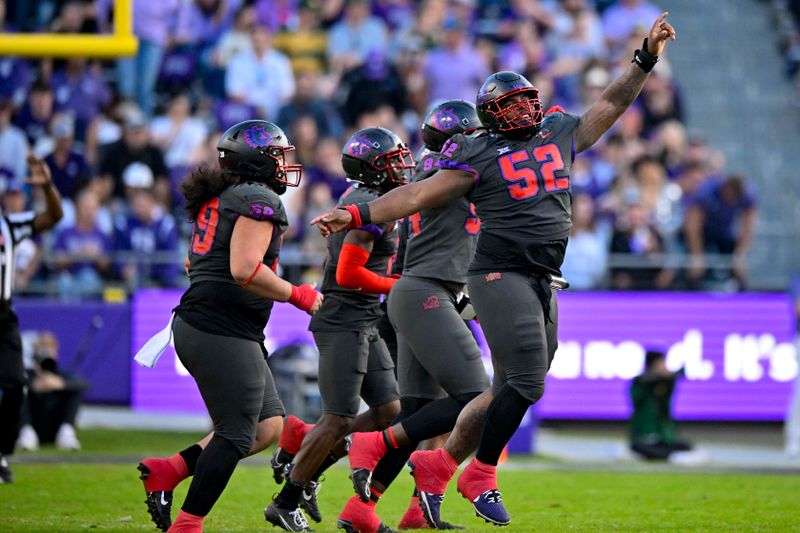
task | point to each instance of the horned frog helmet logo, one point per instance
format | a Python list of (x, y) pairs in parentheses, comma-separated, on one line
[(359, 145), (257, 137)]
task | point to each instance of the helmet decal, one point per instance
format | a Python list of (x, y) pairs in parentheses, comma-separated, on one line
[(257, 136), (445, 119), (359, 145)]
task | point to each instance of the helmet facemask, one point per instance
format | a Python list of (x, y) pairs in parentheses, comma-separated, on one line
[(397, 164), (524, 115), (287, 174)]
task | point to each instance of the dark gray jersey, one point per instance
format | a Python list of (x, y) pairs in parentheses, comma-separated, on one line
[(441, 241), (522, 194), (348, 309), (214, 302)]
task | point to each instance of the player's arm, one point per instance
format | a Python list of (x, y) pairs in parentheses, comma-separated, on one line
[(249, 243), (351, 270), (40, 176), (622, 92), (438, 190)]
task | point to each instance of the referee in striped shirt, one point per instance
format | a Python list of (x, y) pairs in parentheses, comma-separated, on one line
[(13, 229)]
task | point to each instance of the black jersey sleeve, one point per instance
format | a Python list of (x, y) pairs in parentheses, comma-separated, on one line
[(256, 201), (462, 152)]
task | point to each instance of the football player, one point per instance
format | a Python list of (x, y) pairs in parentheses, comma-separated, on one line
[(432, 337), (517, 175), (354, 362), (219, 324)]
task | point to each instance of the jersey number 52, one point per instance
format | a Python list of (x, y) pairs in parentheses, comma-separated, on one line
[(524, 182)]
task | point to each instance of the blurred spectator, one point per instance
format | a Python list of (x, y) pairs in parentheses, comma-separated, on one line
[(455, 70), (627, 16), (236, 39), (82, 251), (585, 260), (205, 21), (306, 101), (636, 237), (305, 44), (304, 134), (721, 220), (355, 36), (13, 144), (670, 145), (660, 102), (80, 89), (155, 23), (658, 196), (54, 398), (34, 117), (371, 85), (67, 165), (275, 14), (178, 134), (135, 146), (150, 233), (261, 77), (652, 428)]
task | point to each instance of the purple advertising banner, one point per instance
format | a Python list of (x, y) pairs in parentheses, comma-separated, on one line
[(737, 351)]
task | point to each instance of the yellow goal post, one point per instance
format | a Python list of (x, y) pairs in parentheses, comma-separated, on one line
[(120, 43)]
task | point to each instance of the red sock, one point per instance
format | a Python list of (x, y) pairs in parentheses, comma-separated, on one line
[(165, 474), (476, 479), (361, 515), (187, 523), (178, 463), (433, 470), (366, 450), (413, 519), (294, 431)]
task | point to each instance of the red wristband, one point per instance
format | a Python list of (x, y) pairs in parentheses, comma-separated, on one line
[(303, 296), (355, 221)]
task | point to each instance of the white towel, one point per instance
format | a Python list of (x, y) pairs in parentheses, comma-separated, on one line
[(149, 353)]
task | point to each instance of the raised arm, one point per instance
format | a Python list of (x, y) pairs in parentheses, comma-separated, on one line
[(436, 191), (623, 91), (40, 176)]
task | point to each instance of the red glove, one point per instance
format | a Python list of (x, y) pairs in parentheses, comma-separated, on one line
[(303, 296), (352, 274)]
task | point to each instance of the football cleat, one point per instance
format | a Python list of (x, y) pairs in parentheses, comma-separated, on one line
[(489, 506), (362, 478), (308, 500), (159, 502), (286, 519), (5, 471), (280, 462)]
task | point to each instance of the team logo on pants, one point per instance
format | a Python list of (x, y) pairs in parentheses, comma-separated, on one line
[(493, 276), (432, 302)]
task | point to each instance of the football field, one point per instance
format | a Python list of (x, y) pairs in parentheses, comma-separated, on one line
[(98, 489)]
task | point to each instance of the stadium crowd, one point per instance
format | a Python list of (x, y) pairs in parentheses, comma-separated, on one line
[(654, 207)]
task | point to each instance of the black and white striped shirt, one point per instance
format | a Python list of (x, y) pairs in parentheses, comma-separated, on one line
[(13, 229)]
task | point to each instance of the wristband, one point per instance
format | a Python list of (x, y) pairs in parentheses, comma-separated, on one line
[(644, 59), (303, 297), (359, 213)]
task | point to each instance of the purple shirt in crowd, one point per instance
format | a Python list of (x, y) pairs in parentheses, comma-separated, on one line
[(84, 95), (67, 177), (77, 242), (721, 218), (457, 74), (147, 238)]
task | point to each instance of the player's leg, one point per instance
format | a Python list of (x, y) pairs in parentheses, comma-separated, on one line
[(12, 378), (163, 474), (343, 358), (512, 310), (379, 391), (230, 374)]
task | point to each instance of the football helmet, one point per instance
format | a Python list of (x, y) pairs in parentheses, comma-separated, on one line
[(445, 120), (377, 158), (256, 149), (500, 112)]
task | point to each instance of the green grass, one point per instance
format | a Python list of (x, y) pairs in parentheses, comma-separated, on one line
[(109, 497)]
